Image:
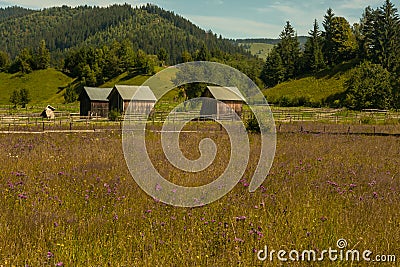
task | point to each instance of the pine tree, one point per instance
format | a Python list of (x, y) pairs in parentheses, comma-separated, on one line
[(289, 50), (313, 50), (273, 72), (388, 26), (203, 54), (42, 56), (328, 35), (4, 60), (381, 36), (162, 56)]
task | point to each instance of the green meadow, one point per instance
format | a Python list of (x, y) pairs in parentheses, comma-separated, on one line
[(63, 207)]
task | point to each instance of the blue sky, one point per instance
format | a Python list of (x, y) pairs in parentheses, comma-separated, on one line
[(239, 19)]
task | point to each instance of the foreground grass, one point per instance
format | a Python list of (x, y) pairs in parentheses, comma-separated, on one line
[(68, 199)]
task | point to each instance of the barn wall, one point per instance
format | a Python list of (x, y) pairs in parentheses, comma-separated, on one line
[(140, 107), (115, 102), (100, 108), (234, 105), (84, 104)]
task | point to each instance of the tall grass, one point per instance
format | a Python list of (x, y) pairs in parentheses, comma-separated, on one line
[(68, 199)]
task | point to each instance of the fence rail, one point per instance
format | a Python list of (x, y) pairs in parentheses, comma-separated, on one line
[(283, 118)]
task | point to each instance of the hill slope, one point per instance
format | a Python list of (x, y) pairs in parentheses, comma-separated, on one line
[(323, 87), (45, 86), (261, 47)]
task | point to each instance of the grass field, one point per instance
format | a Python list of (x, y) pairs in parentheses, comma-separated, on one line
[(68, 199), (45, 86), (315, 89), (261, 50)]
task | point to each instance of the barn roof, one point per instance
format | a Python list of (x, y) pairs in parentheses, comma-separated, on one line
[(97, 94), (129, 92), (226, 93)]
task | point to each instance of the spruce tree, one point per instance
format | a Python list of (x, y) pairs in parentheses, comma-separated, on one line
[(327, 34), (289, 51), (273, 72), (42, 56), (313, 50), (381, 36)]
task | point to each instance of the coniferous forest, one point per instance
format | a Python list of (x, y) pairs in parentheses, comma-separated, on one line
[(95, 44)]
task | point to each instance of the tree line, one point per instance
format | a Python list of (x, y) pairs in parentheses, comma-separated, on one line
[(27, 60), (373, 44), (149, 27)]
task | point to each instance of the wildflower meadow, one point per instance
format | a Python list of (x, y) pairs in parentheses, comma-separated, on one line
[(68, 199)]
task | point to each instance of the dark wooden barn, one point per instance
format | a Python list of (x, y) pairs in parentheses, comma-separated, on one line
[(230, 96), (94, 101), (142, 97)]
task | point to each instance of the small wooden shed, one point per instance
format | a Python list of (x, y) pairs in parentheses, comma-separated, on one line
[(142, 97), (94, 101), (230, 96)]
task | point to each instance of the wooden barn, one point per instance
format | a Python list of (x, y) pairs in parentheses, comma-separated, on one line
[(142, 97), (230, 96), (94, 102)]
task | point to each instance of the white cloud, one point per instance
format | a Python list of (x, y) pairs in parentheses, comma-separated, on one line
[(235, 27), (359, 4)]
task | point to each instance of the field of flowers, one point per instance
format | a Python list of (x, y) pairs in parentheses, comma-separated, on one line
[(69, 200)]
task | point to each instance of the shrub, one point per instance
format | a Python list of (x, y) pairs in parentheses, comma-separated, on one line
[(114, 115), (252, 124)]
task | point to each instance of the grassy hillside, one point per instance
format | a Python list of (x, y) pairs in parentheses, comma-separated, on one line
[(313, 89), (261, 50), (45, 86), (125, 79)]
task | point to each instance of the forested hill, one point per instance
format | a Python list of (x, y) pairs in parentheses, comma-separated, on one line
[(13, 12), (149, 28)]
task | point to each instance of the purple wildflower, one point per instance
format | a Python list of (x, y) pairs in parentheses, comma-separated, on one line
[(158, 187), (240, 218), (22, 196), (332, 183)]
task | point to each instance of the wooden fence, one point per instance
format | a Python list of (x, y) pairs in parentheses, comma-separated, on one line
[(286, 120)]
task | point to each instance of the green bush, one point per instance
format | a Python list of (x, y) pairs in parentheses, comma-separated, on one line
[(252, 125), (114, 115)]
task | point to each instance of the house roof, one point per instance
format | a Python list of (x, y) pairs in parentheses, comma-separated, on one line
[(97, 94), (129, 92), (226, 93)]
